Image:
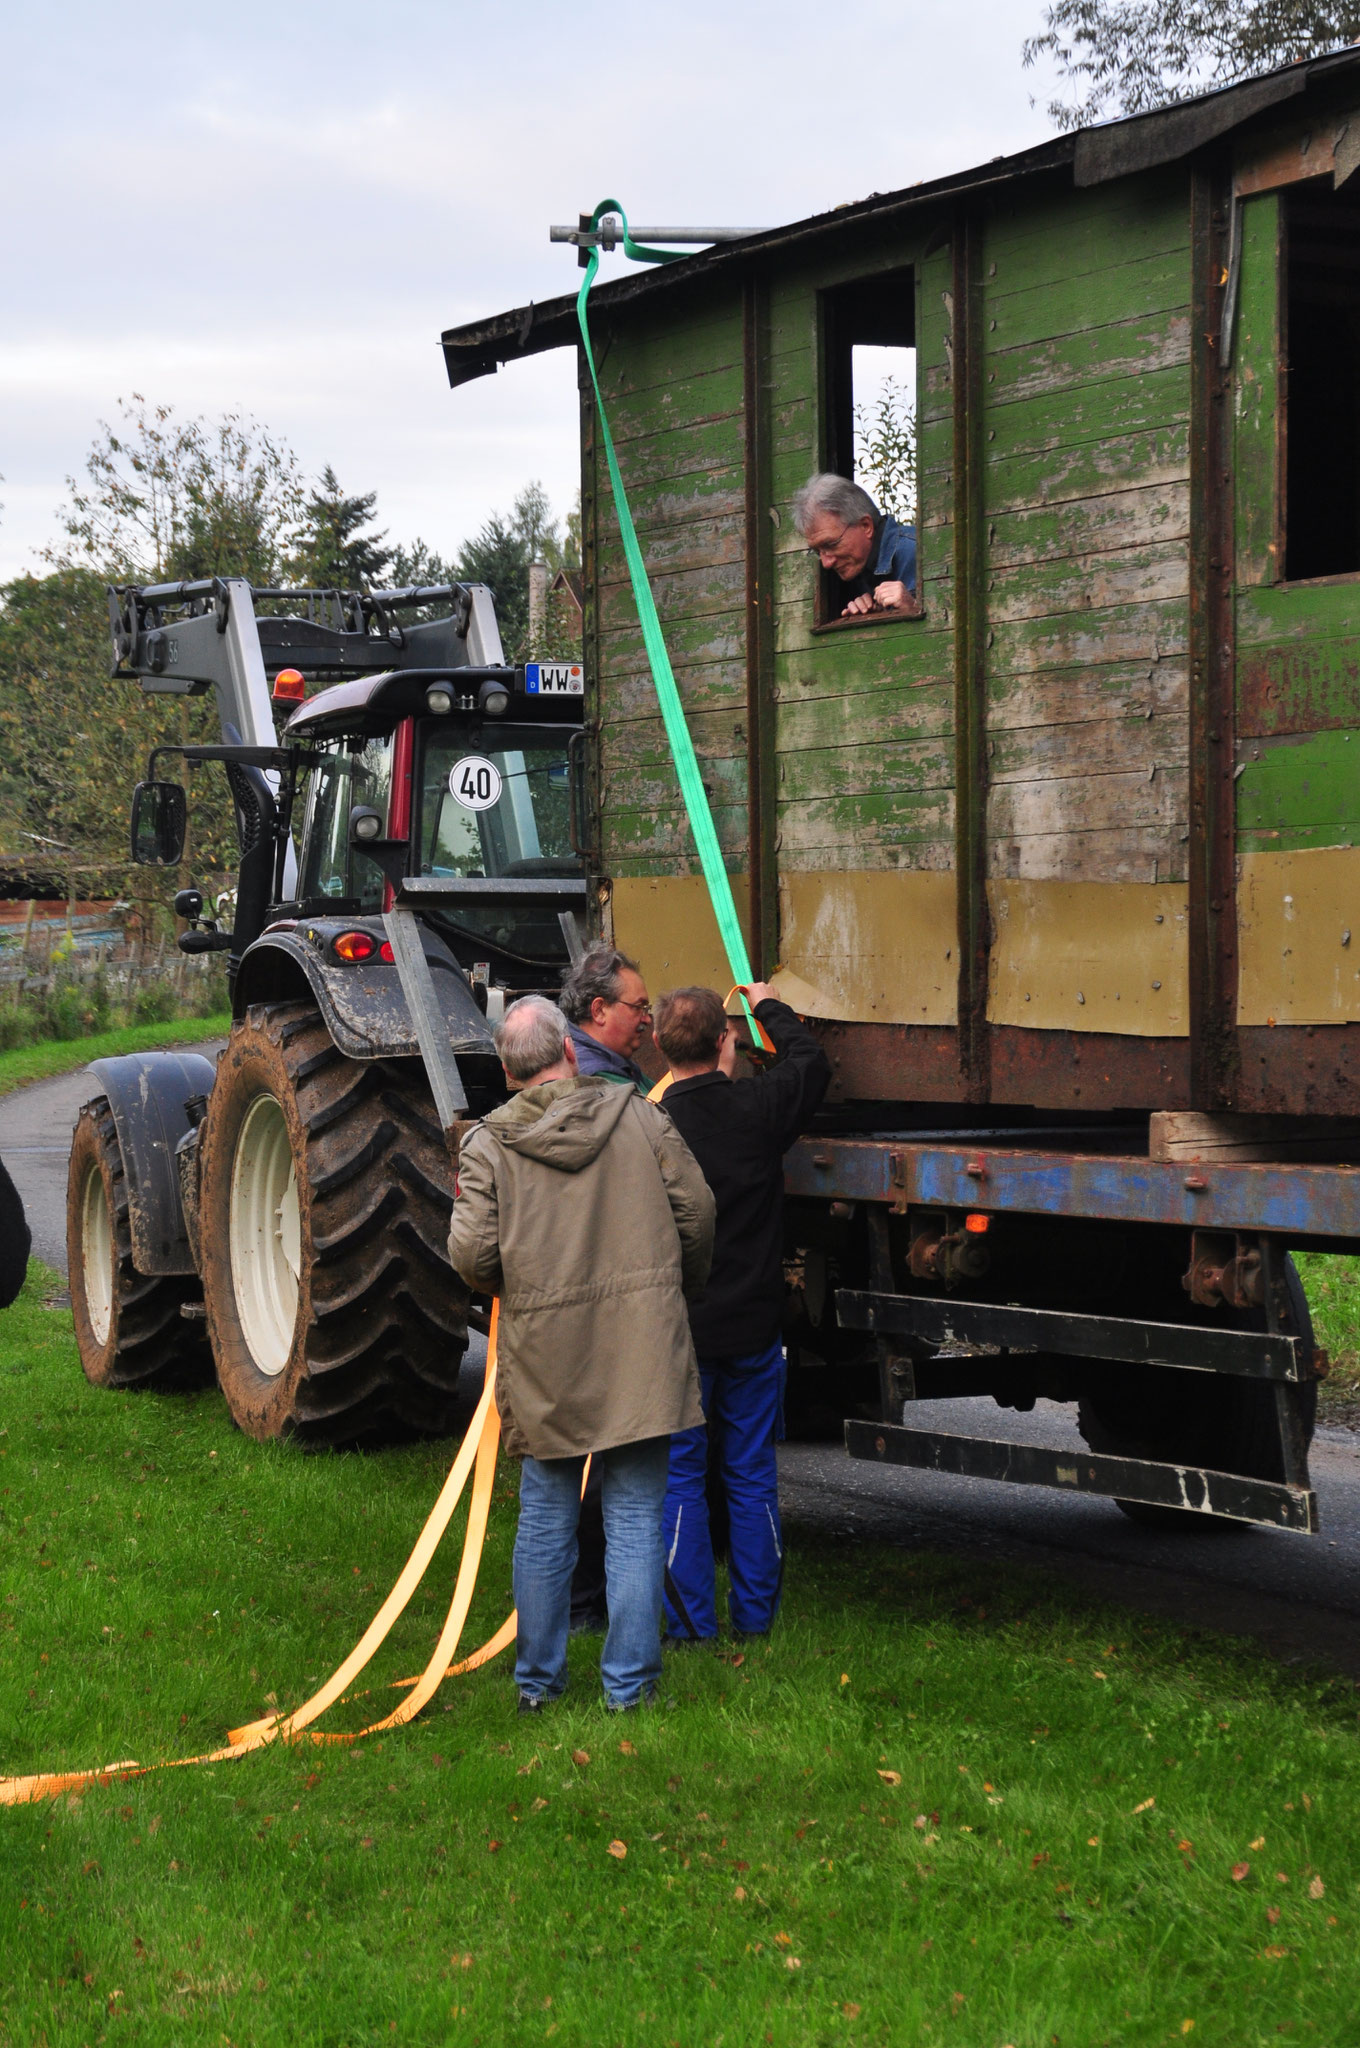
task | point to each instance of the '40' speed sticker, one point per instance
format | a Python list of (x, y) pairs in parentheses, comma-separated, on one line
[(475, 783)]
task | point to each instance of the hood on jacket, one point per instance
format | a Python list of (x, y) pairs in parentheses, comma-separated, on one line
[(565, 1124)]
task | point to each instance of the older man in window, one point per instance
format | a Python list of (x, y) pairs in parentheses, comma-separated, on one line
[(873, 554)]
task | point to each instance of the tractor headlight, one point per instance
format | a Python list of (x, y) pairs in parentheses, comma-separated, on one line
[(439, 699), (493, 699)]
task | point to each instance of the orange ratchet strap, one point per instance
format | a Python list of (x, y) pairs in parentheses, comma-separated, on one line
[(476, 1455)]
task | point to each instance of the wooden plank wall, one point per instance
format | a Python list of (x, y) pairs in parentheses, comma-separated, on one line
[(1086, 322), (674, 393), (865, 725)]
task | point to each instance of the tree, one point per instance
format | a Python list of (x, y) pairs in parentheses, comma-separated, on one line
[(1131, 55), (500, 552), (885, 450), (165, 499), (73, 742), (333, 553)]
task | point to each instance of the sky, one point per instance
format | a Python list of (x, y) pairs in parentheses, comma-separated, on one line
[(275, 209)]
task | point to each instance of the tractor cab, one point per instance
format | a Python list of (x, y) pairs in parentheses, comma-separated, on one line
[(459, 790)]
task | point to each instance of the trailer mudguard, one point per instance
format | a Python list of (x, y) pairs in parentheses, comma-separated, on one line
[(147, 1093), (361, 1003)]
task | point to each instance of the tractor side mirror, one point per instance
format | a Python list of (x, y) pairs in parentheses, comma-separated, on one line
[(159, 816)]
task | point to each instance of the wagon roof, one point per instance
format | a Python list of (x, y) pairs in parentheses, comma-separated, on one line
[(1115, 149)]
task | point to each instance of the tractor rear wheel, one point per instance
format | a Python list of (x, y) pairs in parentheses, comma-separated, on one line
[(324, 1198), (128, 1324)]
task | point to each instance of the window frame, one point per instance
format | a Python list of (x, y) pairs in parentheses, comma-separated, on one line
[(838, 335)]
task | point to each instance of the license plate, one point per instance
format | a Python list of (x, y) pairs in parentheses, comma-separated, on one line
[(554, 679)]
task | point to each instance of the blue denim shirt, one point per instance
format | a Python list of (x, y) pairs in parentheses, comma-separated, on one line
[(594, 1058), (896, 562)]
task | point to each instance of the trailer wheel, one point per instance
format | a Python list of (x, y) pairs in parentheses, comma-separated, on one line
[(129, 1329), (1227, 1425), (325, 1195)]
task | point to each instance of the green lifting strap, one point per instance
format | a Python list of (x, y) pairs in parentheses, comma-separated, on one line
[(672, 712)]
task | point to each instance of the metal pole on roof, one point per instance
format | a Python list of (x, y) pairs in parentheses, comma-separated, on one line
[(610, 233)]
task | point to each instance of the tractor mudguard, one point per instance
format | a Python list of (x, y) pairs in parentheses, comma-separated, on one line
[(361, 1002), (147, 1093)]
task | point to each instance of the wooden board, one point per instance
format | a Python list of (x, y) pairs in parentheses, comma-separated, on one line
[(1196, 1135)]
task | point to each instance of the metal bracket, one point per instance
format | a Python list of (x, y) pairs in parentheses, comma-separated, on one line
[(427, 1016)]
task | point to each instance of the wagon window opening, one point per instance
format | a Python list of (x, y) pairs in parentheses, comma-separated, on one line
[(1321, 343), (869, 415)]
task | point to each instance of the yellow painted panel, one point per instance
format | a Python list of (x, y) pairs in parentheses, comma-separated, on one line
[(1090, 956), (666, 923), (1298, 930), (870, 948)]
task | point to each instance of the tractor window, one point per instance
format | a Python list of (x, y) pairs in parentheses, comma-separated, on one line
[(353, 772), (496, 802)]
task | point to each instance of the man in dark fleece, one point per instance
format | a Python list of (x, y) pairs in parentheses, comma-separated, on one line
[(739, 1133)]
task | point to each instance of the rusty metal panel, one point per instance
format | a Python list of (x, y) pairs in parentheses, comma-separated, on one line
[(1089, 1070), (1302, 1071), (1189, 1487), (1294, 1202)]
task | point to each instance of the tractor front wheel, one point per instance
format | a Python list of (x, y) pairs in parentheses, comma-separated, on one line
[(325, 1192), (129, 1328)]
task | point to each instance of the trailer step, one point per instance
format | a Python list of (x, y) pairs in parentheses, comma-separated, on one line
[(1191, 1487), (1251, 1354)]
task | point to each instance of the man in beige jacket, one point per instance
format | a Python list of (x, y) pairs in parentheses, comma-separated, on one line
[(579, 1205)]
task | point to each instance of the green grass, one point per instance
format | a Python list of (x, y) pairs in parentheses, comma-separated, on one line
[(1332, 1284), (1077, 1787), (63, 1055)]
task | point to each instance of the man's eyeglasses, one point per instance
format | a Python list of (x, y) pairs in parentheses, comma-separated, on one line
[(827, 547), (644, 1008)]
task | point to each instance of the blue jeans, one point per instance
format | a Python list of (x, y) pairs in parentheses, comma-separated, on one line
[(633, 1492), (743, 1402)]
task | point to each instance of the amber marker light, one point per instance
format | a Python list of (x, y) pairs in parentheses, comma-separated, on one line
[(289, 687), (979, 1225)]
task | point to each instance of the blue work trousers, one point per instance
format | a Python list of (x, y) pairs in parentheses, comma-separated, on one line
[(743, 1405), (632, 1492)]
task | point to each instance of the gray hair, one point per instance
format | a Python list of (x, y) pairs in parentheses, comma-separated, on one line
[(530, 1037), (835, 495), (596, 975)]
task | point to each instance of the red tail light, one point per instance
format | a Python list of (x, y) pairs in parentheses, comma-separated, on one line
[(979, 1225), (354, 946), (289, 687)]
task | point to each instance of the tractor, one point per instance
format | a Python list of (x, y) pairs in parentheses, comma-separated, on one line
[(410, 861)]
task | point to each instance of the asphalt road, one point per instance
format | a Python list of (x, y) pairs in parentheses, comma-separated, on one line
[(1299, 1596)]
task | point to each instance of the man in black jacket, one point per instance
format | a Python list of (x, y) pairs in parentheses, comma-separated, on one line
[(739, 1133)]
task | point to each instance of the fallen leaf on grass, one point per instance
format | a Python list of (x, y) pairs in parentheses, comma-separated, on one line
[(627, 1749), (1259, 1843), (739, 1892), (538, 1806), (1316, 1888), (1093, 1841), (1282, 1877), (793, 1962), (851, 2011), (493, 1846), (580, 1756), (845, 1678), (1274, 1953), (1239, 1871), (782, 1940), (525, 1769), (1187, 2026), (618, 1849), (1144, 1805), (891, 1777), (367, 1842), (1272, 1916)]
